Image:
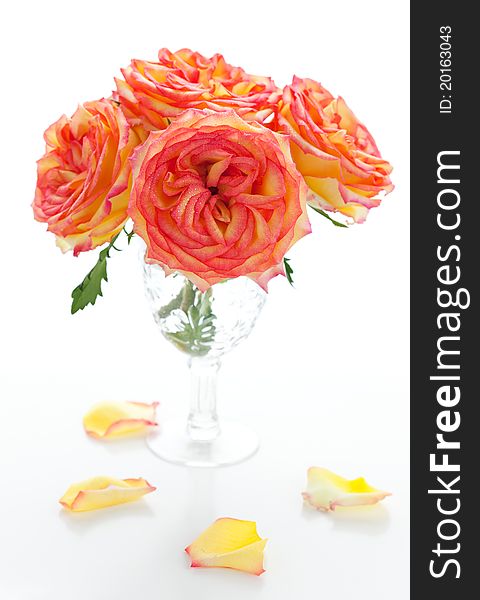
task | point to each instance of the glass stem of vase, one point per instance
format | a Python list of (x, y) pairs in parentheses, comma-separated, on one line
[(202, 424)]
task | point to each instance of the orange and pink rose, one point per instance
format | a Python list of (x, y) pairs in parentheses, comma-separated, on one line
[(335, 153), (84, 178), (154, 93), (215, 196)]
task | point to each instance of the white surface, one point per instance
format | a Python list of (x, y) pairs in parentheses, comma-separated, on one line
[(323, 378)]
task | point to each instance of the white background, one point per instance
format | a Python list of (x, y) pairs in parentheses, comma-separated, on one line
[(323, 378)]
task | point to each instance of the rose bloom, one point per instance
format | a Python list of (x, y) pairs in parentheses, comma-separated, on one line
[(216, 197), (154, 93), (84, 178), (334, 152)]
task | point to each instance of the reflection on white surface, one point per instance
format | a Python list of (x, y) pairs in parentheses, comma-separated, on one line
[(82, 523), (369, 520), (141, 545)]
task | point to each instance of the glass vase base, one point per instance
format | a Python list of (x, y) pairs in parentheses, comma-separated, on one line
[(234, 444)]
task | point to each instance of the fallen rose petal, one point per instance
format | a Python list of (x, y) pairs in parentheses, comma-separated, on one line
[(114, 419), (100, 492), (326, 490), (229, 543)]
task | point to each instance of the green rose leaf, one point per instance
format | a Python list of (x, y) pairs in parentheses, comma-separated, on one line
[(327, 216), (91, 287), (288, 270)]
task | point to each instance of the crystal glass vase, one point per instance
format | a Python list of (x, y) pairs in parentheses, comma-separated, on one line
[(204, 326)]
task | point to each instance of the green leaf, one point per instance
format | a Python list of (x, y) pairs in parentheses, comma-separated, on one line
[(174, 304), (188, 296), (129, 235), (193, 315), (196, 329), (327, 216), (288, 270), (91, 287)]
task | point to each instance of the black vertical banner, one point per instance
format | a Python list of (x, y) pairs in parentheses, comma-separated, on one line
[(444, 327)]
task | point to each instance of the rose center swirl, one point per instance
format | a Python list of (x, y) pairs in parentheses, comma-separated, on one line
[(214, 192)]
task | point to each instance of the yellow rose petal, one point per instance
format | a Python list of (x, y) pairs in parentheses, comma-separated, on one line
[(326, 490), (115, 419), (100, 492), (229, 543)]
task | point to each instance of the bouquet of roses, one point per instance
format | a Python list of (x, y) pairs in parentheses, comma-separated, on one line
[(214, 167)]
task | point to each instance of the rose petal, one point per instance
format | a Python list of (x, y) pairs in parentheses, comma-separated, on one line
[(229, 543), (114, 419), (326, 490), (100, 492), (153, 93), (84, 178), (216, 197), (333, 150)]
